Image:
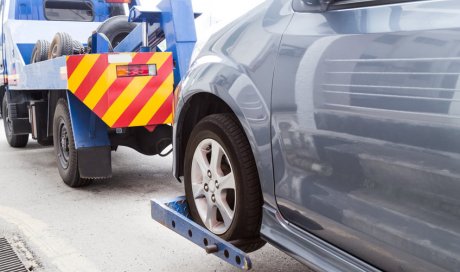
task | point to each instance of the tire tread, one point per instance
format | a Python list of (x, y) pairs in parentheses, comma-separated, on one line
[(250, 217)]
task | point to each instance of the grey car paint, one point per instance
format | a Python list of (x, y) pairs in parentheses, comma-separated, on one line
[(353, 116), (237, 66)]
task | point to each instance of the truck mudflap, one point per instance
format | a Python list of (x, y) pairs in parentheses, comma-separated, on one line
[(175, 216)]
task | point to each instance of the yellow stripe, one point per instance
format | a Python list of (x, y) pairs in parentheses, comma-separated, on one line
[(81, 71), (101, 86), (131, 92), (169, 119), (154, 103)]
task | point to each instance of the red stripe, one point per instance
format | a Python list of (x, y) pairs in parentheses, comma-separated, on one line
[(146, 93), (111, 95), (117, 87), (163, 112), (91, 78), (141, 58), (72, 63)]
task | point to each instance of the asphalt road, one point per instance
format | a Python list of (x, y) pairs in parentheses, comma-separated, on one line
[(103, 227)]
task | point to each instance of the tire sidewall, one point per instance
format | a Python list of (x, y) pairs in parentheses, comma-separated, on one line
[(64, 44), (210, 130), (5, 114), (13, 140), (70, 175), (116, 26)]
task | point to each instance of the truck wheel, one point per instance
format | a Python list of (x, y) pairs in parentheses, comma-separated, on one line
[(13, 140), (64, 147), (221, 181), (62, 45), (116, 28), (40, 51), (77, 47)]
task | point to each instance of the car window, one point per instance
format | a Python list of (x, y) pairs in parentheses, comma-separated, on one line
[(338, 4), (321, 6), (65, 10)]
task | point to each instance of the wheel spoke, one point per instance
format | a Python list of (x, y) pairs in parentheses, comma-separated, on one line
[(210, 216), (216, 158), (198, 190), (225, 211), (202, 161), (227, 182)]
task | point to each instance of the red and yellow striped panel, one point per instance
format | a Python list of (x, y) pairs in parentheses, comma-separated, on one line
[(123, 101)]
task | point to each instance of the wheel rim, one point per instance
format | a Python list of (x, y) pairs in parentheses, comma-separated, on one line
[(54, 52), (34, 56), (63, 145), (213, 186)]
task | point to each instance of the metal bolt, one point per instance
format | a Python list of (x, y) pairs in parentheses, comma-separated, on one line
[(206, 187), (217, 184), (213, 198), (209, 174)]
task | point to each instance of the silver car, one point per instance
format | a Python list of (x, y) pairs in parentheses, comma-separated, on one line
[(330, 129)]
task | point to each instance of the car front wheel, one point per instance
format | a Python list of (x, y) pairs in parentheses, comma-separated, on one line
[(221, 181)]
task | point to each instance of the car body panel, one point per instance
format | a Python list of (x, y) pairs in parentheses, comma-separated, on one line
[(237, 65), (353, 119), (367, 131)]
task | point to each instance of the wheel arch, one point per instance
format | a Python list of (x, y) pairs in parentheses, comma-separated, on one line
[(197, 107)]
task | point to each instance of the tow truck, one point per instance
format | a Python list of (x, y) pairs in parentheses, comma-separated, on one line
[(87, 96)]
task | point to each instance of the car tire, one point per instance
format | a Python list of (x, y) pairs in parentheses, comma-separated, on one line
[(116, 29), (40, 51), (62, 45), (13, 140), (232, 210), (64, 147)]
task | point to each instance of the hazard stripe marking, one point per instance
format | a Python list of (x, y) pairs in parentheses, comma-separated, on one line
[(164, 113), (99, 101), (125, 98), (92, 77), (72, 63), (154, 103), (82, 69), (156, 87), (130, 93), (123, 101)]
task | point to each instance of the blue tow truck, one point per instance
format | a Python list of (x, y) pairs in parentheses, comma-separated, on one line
[(86, 78)]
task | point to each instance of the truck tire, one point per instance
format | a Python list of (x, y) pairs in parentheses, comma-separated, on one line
[(77, 47), (116, 29), (90, 43), (40, 51), (221, 181), (64, 147), (13, 140), (62, 45)]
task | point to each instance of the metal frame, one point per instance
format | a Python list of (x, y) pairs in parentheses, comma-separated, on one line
[(175, 216)]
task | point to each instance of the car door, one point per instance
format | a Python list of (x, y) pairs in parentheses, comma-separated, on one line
[(366, 129)]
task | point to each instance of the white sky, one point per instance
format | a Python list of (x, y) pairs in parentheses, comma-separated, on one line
[(215, 13)]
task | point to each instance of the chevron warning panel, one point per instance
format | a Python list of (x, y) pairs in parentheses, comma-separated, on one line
[(126, 89)]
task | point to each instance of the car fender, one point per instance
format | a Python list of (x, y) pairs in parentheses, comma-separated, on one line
[(220, 77)]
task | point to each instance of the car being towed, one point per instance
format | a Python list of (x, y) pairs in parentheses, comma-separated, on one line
[(331, 130)]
